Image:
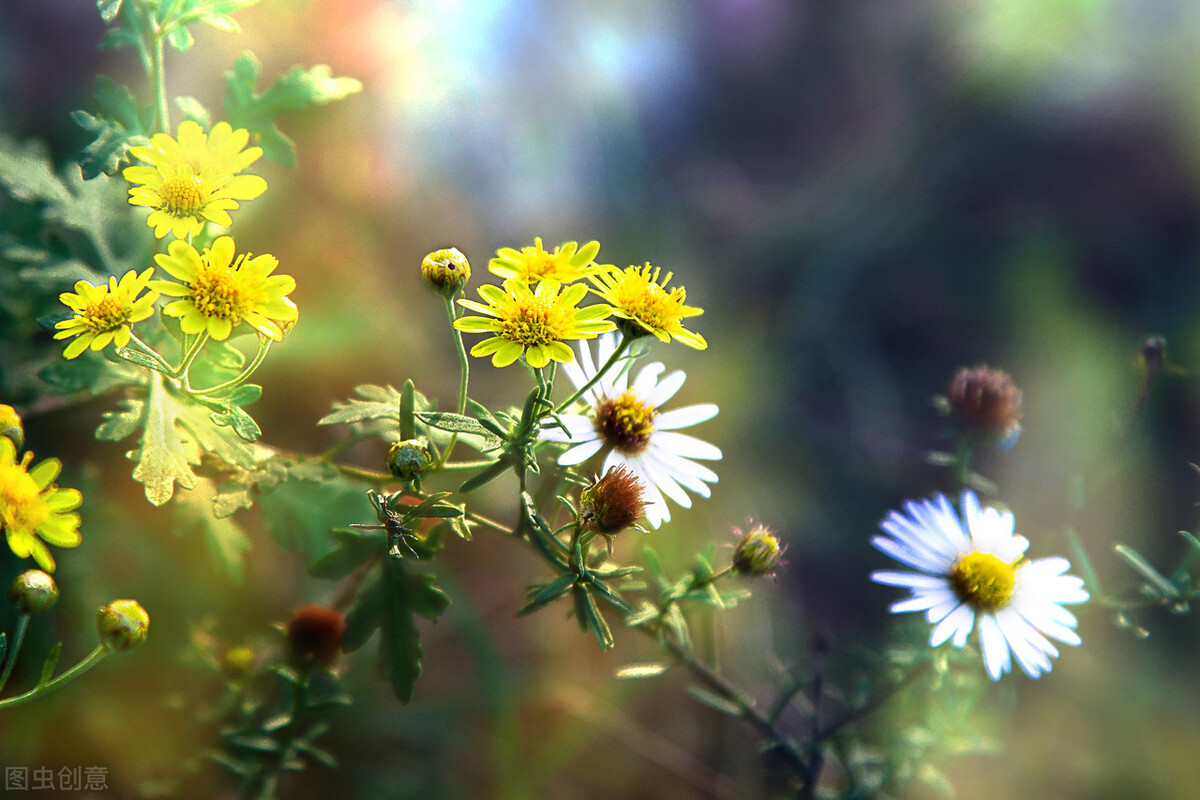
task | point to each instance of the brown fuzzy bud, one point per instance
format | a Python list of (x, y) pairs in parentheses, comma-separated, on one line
[(757, 552), (985, 404), (446, 271), (612, 503), (123, 625), (314, 635), (33, 591)]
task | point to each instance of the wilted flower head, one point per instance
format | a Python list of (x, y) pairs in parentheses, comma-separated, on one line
[(985, 404), (314, 635), (612, 503), (446, 271)]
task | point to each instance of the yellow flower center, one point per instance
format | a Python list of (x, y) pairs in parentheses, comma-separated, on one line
[(650, 304), (626, 423), (218, 294), (183, 195), (105, 314), (983, 581), (21, 506), (535, 320)]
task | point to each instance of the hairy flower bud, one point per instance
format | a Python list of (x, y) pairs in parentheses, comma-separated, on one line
[(10, 425), (446, 271), (757, 552), (985, 404), (314, 635), (123, 625), (33, 591), (612, 503), (408, 459)]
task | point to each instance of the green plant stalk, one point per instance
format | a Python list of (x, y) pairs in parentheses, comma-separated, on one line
[(182, 372), (14, 648), (93, 658), (150, 351), (264, 347), (464, 366), (158, 77), (616, 356), (962, 462)]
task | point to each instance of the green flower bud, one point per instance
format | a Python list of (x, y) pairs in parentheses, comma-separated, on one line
[(33, 591), (408, 459), (446, 271), (123, 625), (10, 425), (758, 552)]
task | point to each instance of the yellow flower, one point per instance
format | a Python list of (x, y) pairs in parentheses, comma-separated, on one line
[(568, 262), (218, 291), (105, 313), (637, 296), (10, 425), (193, 178), (30, 507), (532, 322)]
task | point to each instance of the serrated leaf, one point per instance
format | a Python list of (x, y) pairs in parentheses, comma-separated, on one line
[(27, 173), (364, 617), (192, 109), (227, 542), (379, 402), (637, 671), (165, 455), (400, 645), (118, 425), (118, 126), (301, 514), (296, 89), (356, 549)]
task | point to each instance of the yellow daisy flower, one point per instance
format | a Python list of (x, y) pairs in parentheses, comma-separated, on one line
[(217, 291), (193, 178), (32, 510), (568, 262), (105, 313), (532, 322), (650, 307)]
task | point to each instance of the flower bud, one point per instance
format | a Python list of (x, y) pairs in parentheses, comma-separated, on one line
[(612, 503), (237, 661), (314, 635), (33, 591), (408, 459), (123, 625), (757, 552), (446, 271), (986, 405), (10, 426)]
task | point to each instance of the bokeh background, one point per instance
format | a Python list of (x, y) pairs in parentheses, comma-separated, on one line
[(863, 195)]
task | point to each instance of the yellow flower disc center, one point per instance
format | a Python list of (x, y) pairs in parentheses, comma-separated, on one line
[(21, 506), (183, 195), (105, 314), (535, 320), (217, 294), (983, 581), (626, 423), (650, 304)]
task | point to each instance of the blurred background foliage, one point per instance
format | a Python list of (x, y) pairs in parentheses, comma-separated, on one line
[(863, 195)]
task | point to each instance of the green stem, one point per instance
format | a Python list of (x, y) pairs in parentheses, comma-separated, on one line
[(150, 351), (14, 648), (962, 462), (617, 354), (190, 356), (464, 366), (264, 347), (159, 79), (93, 658)]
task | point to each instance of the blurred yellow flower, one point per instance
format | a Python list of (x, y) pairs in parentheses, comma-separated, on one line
[(193, 178), (636, 295), (105, 313), (533, 322), (217, 291), (568, 262), (32, 510)]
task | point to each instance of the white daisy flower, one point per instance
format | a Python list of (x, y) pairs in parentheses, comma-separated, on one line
[(972, 570), (627, 419)]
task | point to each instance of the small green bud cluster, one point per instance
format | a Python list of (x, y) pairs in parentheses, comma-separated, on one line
[(408, 459), (758, 552)]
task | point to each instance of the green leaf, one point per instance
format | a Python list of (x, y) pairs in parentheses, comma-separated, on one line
[(677, 624), (548, 593), (28, 175), (295, 90), (486, 475), (301, 514), (180, 38), (192, 109), (227, 542), (400, 645), (3, 646), (255, 744), (141, 358), (408, 423), (379, 402), (714, 702), (586, 605), (645, 612), (635, 671), (1155, 579), (166, 454), (118, 126), (118, 425), (108, 9), (364, 617), (356, 548), (49, 665)]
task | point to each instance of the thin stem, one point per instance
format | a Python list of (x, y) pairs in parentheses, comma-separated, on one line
[(93, 658), (264, 346), (962, 462), (150, 351), (14, 648), (464, 366), (190, 356), (159, 79), (616, 356)]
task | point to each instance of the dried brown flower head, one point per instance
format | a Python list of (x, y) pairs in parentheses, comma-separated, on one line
[(985, 404), (612, 503), (314, 634)]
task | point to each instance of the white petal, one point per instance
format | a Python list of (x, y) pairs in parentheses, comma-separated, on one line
[(912, 580), (995, 647), (580, 453), (685, 417), (956, 624), (660, 395), (646, 380), (578, 429), (680, 444)]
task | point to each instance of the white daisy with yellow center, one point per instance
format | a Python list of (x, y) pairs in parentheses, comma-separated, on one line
[(627, 418), (972, 570)]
